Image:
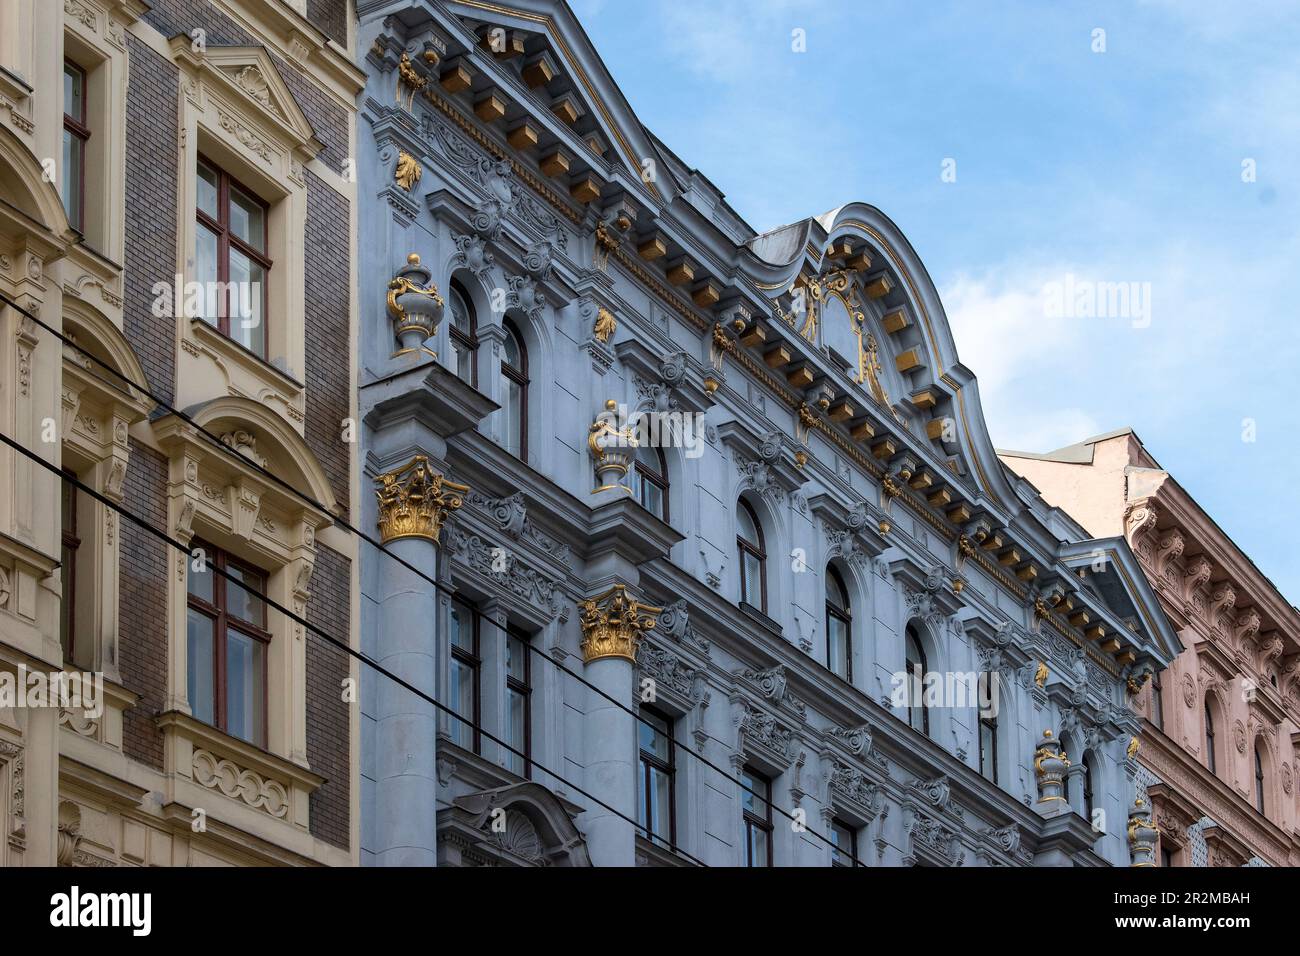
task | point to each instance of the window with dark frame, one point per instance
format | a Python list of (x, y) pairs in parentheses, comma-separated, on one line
[(650, 481), (75, 135), (1209, 738), (1087, 785), (918, 714), (230, 254), (228, 644), (1157, 702), (464, 334), (514, 369), (465, 668), (752, 557), (845, 838), (1259, 781), (839, 626), (519, 690), (656, 805), (1166, 856), (69, 545), (988, 734), (757, 813)]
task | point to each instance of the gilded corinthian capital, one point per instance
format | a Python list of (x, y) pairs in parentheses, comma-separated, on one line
[(414, 500), (612, 624)]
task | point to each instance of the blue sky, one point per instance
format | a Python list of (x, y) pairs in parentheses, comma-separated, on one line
[(1116, 166)]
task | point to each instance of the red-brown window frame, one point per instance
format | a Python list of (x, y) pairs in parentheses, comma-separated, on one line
[(756, 548), (225, 239), (520, 377), (460, 340), (474, 661), (70, 542), (217, 611), (524, 688), (657, 478), (76, 125)]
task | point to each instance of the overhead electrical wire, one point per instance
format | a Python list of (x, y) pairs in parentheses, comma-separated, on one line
[(224, 448), (323, 635)]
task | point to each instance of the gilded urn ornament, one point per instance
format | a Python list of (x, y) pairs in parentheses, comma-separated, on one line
[(612, 624), (414, 501), (414, 305), (1050, 764), (611, 449)]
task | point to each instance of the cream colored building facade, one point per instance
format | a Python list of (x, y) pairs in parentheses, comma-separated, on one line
[(149, 99)]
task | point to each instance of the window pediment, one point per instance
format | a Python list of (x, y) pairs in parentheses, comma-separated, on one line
[(251, 99)]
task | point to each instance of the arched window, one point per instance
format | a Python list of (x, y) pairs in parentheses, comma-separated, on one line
[(1209, 737), (650, 481), (514, 399), (1259, 779), (1157, 702), (752, 557), (464, 334), (918, 715), (1087, 785), (839, 626)]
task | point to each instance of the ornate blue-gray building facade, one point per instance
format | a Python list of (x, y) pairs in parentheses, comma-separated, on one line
[(733, 600)]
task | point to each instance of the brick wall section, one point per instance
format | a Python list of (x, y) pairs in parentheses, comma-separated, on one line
[(328, 120), (142, 605), (327, 304), (328, 717), (151, 211), (330, 17)]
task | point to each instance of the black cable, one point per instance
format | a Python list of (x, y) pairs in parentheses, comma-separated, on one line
[(303, 496), (341, 645)]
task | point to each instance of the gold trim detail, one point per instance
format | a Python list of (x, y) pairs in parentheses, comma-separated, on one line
[(612, 625), (407, 172), (414, 500)]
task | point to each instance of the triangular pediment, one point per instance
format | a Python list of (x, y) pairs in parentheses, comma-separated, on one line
[(544, 53), (247, 78)]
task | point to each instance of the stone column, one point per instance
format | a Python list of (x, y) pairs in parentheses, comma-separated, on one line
[(612, 624), (413, 501)]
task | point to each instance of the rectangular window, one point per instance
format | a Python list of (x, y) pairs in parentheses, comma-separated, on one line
[(227, 643), (1157, 703), (68, 555), (518, 729), (845, 838), (463, 693), (230, 258), (757, 812), (75, 134), (988, 733), (655, 804)]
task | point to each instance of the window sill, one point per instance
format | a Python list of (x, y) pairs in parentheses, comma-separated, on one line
[(245, 372), (651, 854), (263, 789), (759, 618)]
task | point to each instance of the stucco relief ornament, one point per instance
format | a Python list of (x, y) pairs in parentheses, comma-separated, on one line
[(605, 325), (414, 501), (611, 449), (612, 624), (1050, 765), (473, 253), (407, 172), (414, 306), (526, 295)]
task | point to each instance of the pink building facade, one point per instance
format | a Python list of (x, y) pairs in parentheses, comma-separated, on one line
[(1220, 726)]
